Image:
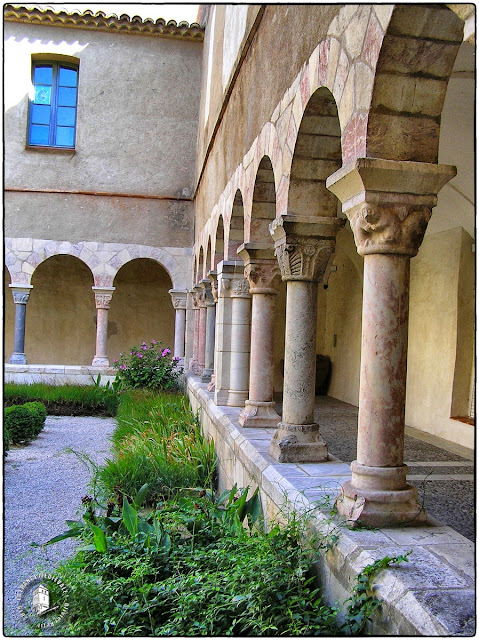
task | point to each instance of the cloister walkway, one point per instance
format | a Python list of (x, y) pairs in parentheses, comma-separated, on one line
[(442, 471), (43, 487)]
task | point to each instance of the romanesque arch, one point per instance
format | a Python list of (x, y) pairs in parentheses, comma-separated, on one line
[(61, 314), (140, 308)]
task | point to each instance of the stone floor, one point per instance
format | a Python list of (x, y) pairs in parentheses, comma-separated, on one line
[(444, 478)]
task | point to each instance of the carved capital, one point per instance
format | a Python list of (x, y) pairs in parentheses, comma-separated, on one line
[(389, 203), (21, 294), (178, 298), (103, 296), (207, 293), (213, 277), (240, 288), (304, 245), (263, 277), (391, 227)]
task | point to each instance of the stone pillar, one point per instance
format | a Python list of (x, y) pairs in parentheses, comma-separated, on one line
[(195, 296), (240, 342), (178, 298), (21, 293), (229, 271), (209, 331), (264, 276), (189, 332), (388, 204), (211, 341), (103, 297), (303, 248), (201, 327)]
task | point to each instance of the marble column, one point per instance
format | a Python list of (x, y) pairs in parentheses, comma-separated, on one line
[(264, 277), (388, 204), (21, 293), (178, 299), (211, 341), (229, 272), (240, 342), (209, 331), (201, 327), (303, 247), (189, 331), (196, 318), (103, 297)]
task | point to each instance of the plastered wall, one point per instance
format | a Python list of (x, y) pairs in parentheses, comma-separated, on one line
[(128, 141)]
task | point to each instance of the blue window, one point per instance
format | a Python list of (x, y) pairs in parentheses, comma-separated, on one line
[(53, 105)]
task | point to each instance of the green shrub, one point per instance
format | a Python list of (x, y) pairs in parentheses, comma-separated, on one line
[(24, 422), (39, 411), (69, 399), (148, 366)]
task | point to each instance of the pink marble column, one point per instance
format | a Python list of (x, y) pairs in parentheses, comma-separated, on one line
[(212, 342), (103, 297), (303, 247), (264, 277), (240, 342), (201, 329), (389, 205), (196, 320)]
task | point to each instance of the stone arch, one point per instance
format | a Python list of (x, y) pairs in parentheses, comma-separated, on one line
[(263, 210), (412, 72), (236, 226), (199, 265), (62, 305), (107, 271), (219, 243), (208, 259), (317, 154), (140, 308)]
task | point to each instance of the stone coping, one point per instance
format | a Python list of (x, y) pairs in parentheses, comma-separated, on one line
[(57, 374), (432, 594)]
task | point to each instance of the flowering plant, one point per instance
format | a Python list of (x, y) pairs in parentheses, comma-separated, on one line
[(148, 366)]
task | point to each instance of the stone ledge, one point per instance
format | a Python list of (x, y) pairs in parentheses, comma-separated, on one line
[(57, 374), (419, 597)]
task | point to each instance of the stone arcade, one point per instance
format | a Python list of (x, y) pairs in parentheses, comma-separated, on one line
[(273, 183)]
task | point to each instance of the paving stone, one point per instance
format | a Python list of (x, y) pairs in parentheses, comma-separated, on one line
[(453, 609)]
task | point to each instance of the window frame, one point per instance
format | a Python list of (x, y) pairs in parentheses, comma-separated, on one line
[(56, 66)]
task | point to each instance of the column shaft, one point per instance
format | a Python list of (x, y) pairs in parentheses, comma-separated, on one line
[(209, 342), (300, 352), (382, 395), (21, 295), (180, 320), (103, 297), (240, 350), (201, 339)]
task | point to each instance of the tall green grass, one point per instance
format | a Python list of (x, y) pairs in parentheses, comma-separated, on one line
[(157, 441), (67, 399)]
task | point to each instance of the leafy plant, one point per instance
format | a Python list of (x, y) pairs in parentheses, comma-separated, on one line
[(148, 366)]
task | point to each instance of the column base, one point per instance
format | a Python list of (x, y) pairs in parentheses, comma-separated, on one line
[(211, 384), (100, 361), (236, 398), (18, 358), (221, 397), (259, 414), (206, 375), (380, 497), (298, 443)]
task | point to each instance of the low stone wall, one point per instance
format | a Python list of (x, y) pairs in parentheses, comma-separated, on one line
[(56, 374), (431, 595)]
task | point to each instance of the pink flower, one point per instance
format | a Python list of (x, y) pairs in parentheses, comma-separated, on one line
[(165, 352), (176, 359), (115, 360), (143, 343), (123, 366), (140, 355), (144, 348), (153, 342), (132, 353)]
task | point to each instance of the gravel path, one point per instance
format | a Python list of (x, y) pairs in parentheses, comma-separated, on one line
[(43, 486)]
